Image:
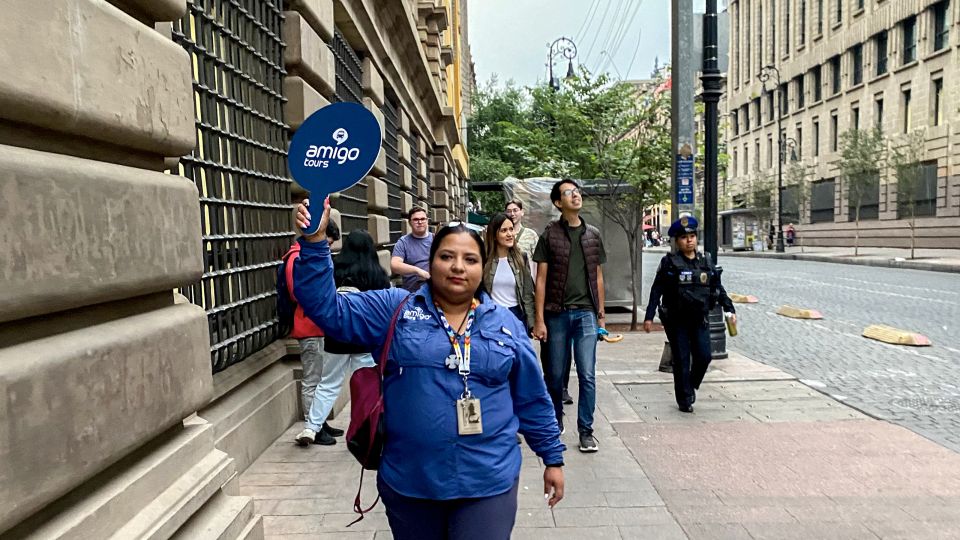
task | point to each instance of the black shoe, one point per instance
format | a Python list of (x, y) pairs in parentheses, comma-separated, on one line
[(324, 438), (332, 430), (686, 408), (588, 443), (567, 399)]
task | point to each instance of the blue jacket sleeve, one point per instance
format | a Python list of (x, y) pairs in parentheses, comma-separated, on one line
[(656, 292), (531, 402), (358, 318)]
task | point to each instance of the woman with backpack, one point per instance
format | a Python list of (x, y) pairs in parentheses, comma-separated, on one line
[(460, 380), (356, 268), (506, 275)]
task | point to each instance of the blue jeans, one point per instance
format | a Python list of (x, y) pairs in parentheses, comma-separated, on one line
[(575, 328), (335, 368)]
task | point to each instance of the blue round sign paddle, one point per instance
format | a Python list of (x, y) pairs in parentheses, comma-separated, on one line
[(334, 149)]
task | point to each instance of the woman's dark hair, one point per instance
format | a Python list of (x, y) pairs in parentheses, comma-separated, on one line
[(493, 229), (357, 264), (333, 232), (460, 228)]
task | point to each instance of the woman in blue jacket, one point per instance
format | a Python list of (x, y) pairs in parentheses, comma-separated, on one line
[(461, 381)]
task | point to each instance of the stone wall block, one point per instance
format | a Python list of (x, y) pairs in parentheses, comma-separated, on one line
[(379, 229), (376, 194), (75, 232), (318, 14), (439, 198), (422, 189), (438, 163), (104, 391), (439, 181), (154, 10), (406, 202), (380, 166), (307, 55), (105, 76), (302, 101), (372, 106), (441, 215), (404, 150), (372, 82), (384, 256), (405, 178)]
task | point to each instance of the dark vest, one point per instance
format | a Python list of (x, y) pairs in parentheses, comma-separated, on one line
[(691, 287), (559, 263)]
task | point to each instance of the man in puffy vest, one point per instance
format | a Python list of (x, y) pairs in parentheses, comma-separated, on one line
[(687, 287), (569, 304)]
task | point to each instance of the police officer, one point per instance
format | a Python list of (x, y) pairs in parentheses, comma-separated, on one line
[(689, 285)]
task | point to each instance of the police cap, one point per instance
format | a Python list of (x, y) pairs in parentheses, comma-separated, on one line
[(684, 225)]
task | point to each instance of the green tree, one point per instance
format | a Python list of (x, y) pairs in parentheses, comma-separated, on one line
[(863, 153), (905, 160), (797, 181)]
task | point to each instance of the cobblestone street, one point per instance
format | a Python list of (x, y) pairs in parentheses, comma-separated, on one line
[(918, 388)]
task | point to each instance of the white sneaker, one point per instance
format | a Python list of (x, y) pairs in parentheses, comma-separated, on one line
[(306, 437)]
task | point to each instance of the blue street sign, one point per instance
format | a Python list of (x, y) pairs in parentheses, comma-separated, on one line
[(684, 180), (334, 149)]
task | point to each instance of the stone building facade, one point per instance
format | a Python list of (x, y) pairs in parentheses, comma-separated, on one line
[(144, 204), (847, 64)]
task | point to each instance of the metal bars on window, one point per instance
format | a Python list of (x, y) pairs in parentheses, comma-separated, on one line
[(391, 146), (239, 167), (352, 202)]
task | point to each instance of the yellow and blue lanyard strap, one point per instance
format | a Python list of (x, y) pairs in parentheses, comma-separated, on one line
[(463, 357)]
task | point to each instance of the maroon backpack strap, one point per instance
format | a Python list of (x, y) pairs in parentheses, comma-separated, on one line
[(381, 367)]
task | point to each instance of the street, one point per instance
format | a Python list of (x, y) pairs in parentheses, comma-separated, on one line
[(918, 388)]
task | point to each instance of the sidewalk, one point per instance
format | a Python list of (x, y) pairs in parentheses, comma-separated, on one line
[(763, 456), (937, 260)]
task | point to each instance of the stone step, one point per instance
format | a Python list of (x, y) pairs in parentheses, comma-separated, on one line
[(110, 500), (222, 518), (174, 506)]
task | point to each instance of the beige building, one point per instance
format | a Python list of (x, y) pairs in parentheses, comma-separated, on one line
[(847, 64), (145, 202)]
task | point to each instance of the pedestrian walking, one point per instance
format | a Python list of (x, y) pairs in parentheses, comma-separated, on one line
[(686, 288), (526, 238), (356, 268), (506, 274), (461, 381), (312, 355), (570, 258), (411, 253)]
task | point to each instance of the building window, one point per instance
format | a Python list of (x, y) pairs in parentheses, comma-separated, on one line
[(869, 201), (734, 163), (839, 11), (906, 112), (817, 72), (880, 43), (816, 138), (790, 202), (859, 4), (786, 26), (800, 141), (734, 123), (800, 93), (745, 112), (747, 30), (822, 197), (760, 31), (802, 37), (936, 95), (756, 154), (878, 112), (909, 32), (924, 196), (819, 17), (857, 54), (835, 75), (784, 99), (756, 110), (773, 31), (769, 151), (770, 109), (941, 25), (834, 131), (855, 117), (746, 159)]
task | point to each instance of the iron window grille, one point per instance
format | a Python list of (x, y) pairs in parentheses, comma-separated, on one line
[(240, 169), (822, 201), (348, 66), (391, 145)]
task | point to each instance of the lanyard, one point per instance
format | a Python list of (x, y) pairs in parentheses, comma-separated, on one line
[(462, 356)]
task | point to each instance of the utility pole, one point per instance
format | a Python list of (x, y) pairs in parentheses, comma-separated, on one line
[(712, 89), (682, 73)]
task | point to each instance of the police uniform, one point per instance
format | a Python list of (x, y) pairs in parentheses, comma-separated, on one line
[(684, 292)]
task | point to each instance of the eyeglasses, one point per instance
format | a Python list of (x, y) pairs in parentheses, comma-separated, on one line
[(419, 220), (569, 192)]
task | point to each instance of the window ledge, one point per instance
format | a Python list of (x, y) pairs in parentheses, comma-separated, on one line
[(801, 47), (836, 25), (858, 12), (935, 54), (818, 36), (878, 77), (833, 97), (906, 66), (855, 87)]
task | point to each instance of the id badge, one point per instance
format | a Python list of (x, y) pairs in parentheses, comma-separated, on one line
[(469, 417)]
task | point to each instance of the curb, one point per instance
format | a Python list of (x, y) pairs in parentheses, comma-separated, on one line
[(881, 263)]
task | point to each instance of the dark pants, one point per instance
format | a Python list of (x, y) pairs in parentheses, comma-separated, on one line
[(688, 341), (458, 519)]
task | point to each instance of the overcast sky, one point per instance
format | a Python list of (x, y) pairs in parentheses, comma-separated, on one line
[(509, 37)]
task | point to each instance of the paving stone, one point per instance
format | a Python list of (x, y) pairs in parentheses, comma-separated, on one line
[(716, 531), (653, 532), (572, 517), (567, 533)]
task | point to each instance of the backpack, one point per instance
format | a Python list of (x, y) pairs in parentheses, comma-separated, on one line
[(286, 305), (365, 436)]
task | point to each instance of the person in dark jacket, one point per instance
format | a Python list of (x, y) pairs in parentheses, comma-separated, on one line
[(686, 288), (356, 268), (461, 381), (506, 275)]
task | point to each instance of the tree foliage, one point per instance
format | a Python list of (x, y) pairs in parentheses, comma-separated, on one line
[(863, 154), (906, 162)]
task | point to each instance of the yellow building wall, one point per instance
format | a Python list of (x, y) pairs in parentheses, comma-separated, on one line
[(452, 38)]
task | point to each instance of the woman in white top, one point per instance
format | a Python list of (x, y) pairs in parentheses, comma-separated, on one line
[(507, 274)]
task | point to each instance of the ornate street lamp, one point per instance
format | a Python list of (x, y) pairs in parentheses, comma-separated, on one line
[(561, 46), (764, 76)]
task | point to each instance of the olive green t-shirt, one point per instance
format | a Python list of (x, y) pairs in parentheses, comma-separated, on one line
[(576, 293)]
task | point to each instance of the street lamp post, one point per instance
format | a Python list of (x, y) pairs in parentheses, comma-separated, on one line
[(764, 76), (568, 49)]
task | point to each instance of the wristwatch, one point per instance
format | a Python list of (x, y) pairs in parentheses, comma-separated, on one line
[(554, 465)]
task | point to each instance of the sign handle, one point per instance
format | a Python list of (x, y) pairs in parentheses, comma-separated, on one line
[(315, 222)]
